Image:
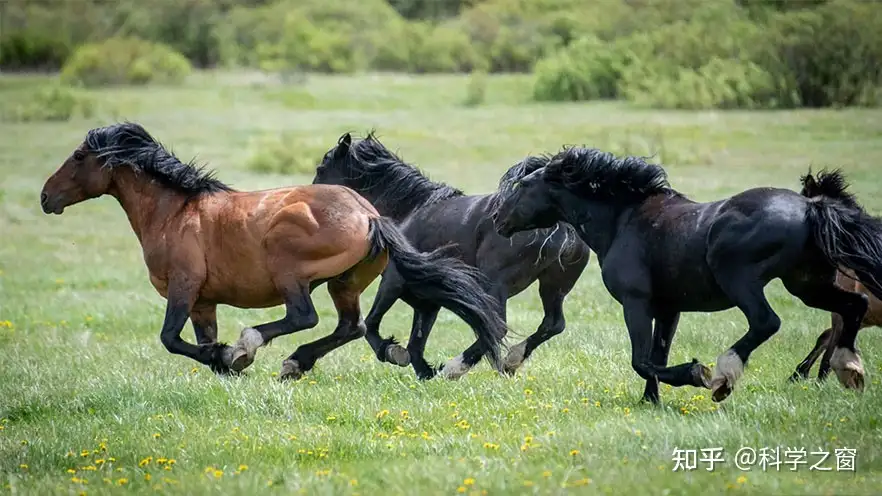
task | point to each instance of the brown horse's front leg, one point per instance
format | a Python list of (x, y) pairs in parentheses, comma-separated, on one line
[(176, 314), (204, 320)]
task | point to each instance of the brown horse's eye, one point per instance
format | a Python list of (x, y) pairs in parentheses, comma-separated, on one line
[(79, 155)]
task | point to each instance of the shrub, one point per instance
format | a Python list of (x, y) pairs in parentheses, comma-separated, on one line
[(125, 61), (476, 90), (32, 50), (588, 69), (828, 56), (50, 103), (287, 154)]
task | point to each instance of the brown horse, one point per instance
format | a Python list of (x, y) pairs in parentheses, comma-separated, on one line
[(873, 317), (206, 244)]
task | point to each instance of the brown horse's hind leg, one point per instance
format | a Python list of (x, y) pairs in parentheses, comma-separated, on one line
[(345, 290), (204, 320)]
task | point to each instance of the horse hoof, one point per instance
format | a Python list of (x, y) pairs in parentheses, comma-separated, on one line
[(701, 375), (290, 371), (797, 377), (240, 360), (454, 368), (515, 358), (397, 355), (849, 368), (721, 389)]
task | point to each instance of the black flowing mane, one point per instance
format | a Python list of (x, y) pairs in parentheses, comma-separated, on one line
[(521, 170), (831, 184), (396, 186), (601, 175), (130, 144)]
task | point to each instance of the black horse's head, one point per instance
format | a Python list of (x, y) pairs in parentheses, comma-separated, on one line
[(334, 167), (525, 200)]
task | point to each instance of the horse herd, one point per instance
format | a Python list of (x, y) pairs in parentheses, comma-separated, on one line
[(660, 253)]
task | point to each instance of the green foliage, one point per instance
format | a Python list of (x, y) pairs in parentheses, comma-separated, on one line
[(32, 50), (589, 69), (125, 61), (50, 103), (287, 154)]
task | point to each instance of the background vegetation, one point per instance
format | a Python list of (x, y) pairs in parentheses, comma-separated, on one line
[(687, 54)]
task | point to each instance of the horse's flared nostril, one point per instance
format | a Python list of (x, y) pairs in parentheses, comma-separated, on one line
[(43, 198)]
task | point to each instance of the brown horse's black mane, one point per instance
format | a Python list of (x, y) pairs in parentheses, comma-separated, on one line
[(130, 144), (831, 184), (600, 175)]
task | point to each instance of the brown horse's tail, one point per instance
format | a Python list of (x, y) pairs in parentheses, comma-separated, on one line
[(445, 281)]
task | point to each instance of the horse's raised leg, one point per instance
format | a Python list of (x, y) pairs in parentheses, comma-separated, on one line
[(345, 292), (386, 349), (851, 307), (300, 314), (805, 366), (638, 318), (746, 291), (665, 328), (553, 289), (204, 320)]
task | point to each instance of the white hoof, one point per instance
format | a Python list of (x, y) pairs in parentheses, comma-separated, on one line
[(727, 372), (849, 368), (455, 368)]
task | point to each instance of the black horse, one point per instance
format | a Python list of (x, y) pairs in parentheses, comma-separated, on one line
[(662, 254), (436, 216)]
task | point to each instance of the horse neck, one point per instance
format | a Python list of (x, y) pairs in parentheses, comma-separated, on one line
[(399, 203), (601, 230), (146, 202)]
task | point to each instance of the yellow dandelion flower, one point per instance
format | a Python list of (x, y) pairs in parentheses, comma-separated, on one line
[(404, 413), (452, 404), (146, 461), (460, 489), (243, 468), (71, 471), (160, 461), (90, 468), (627, 411), (580, 482), (218, 474), (565, 410), (85, 453), (528, 483), (382, 414), (172, 461), (468, 482), (574, 452), (597, 404), (741, 479), (156, 435), (147, 477), (99, 461), (491, 446), (23, 466), (528, 392), (331, 418), (546, 474), (122, 481), (292, 438)]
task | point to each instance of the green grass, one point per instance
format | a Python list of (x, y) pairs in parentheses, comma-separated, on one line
[(83, 376)]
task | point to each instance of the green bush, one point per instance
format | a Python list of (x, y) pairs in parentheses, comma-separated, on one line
[(287, 154), (50, 103), (588, 69), (31, 50), (828, 56), (125, 61), (476, 90)]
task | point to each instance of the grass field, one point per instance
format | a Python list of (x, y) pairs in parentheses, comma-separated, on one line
[(91, 402)]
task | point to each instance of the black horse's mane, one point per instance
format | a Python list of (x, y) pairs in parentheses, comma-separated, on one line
[(601, 175), (130, 144), (831, 184), (520, 170), (399, 187)]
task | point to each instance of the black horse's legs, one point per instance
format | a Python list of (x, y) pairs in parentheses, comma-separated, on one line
[(746, 291), (804, 367), (423, 320), (851, 307), (386, 349), (300, 314), (638, 319), (460, 365), (665, 328), (554, 285), (204, 320)]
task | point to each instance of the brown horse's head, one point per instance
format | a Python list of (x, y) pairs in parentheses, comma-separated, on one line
[(81, 177)]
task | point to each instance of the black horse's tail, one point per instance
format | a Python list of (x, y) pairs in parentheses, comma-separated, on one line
[(446, 281), (848, 236)]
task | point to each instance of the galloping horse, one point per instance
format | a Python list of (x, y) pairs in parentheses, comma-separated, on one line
[(206, 244), (434, 216), (662, 254)]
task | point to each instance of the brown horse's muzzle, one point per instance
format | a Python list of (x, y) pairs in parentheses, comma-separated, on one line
[(51, 204)]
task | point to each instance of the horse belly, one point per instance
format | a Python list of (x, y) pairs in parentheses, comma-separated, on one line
[(242, 289)]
